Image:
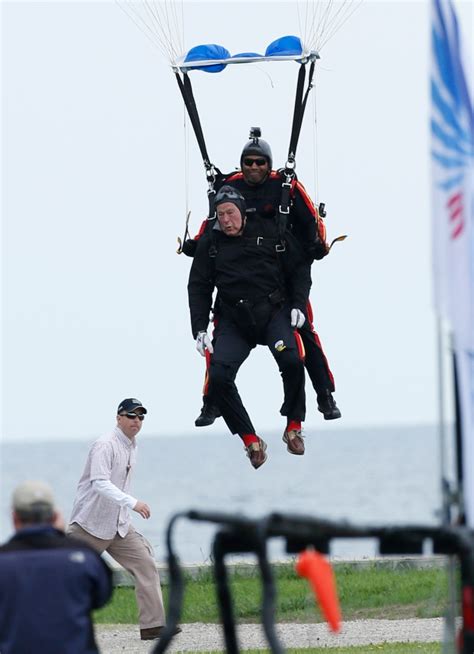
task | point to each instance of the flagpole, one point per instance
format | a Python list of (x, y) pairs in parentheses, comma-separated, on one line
[(445, 486), (449, 492)]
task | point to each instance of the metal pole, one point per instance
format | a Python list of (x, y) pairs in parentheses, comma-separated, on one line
[(449, 627), (445, 486)]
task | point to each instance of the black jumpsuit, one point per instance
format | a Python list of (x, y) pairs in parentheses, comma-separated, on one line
[(259, 281)]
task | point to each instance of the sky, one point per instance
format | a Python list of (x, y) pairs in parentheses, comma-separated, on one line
[(99, 170)]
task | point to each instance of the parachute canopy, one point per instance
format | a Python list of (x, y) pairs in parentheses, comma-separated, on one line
[(213, 58), (162, 21)]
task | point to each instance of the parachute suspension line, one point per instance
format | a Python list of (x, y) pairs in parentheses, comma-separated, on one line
[(316, 190), (177, 22), (186, 161), (143, 26), (261, 70), (323, 18), (301, 22), (155, 26), (340, 17), (159, 22), (183, 40), (164, 25), (186, 234), (185, 121)]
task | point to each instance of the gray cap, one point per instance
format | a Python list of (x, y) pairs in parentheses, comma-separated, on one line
[(33, 495)]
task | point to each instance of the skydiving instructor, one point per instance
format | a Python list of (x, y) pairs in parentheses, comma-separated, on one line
[(100, 514)]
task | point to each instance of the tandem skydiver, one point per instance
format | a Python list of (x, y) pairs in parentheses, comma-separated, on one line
[(262, 189), (263, 280)]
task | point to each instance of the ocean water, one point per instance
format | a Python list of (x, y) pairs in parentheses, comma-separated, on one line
[(367, 476)]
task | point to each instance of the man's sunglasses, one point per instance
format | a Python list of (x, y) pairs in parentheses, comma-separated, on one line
[(259, 162), (132, 416)]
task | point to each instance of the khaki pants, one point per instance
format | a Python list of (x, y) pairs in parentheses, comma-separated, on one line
[(135, 554)]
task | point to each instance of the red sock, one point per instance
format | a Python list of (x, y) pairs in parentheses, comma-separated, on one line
[(249, 439), (294, 425)]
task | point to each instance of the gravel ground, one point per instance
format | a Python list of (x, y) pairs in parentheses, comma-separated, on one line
[(207, 637)]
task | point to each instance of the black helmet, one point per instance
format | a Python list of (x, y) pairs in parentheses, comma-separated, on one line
[(230, 194), (257, 146)]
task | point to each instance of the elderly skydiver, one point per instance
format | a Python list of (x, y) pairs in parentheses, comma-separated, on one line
[(262, 189), (263, 280)]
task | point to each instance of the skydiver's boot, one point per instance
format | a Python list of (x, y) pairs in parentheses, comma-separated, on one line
[(327, 405), (209, 413)]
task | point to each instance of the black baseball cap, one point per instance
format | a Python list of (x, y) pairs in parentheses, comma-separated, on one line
[(129, 405)]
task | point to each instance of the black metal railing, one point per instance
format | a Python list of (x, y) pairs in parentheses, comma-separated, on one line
[(238, 534)]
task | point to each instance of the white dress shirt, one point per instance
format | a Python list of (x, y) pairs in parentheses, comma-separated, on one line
[(102, 502)]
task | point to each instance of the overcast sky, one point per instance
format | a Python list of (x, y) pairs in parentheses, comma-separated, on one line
[(95, 192)]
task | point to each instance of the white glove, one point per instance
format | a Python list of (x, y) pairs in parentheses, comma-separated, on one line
[(203, 343), (297, 318)]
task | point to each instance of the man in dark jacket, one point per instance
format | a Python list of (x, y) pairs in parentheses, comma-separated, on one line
[(50, 583), (262, 189), (263, 282)]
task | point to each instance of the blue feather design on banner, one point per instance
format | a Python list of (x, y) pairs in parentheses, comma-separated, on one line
[(452, 126)]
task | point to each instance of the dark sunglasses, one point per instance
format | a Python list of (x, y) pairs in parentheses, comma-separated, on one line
[(259, 162), (132, 416)]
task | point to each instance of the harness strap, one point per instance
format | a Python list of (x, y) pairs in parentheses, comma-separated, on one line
[(284, 206), (276, 243), (265, 240), (298, 112), (187, 92), (275, 297), (297, 117), (212, 173), (288, 172)]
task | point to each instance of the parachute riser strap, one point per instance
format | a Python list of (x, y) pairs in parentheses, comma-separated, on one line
[(297, 111), (305, 99), (188, 98), (300, 106)]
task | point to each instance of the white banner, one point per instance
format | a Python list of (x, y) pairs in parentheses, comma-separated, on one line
[(452, 130)]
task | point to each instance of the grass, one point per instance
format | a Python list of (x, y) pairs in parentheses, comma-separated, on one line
[(389, 648), (372, 592)]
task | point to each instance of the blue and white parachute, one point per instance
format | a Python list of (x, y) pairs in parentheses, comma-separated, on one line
[(163, 23), (213, 58)]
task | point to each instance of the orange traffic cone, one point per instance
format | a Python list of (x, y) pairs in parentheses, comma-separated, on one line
[(317, 569)]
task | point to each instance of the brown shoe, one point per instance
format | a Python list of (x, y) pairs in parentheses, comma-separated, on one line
[(256, 453), (153, 633), (294, 441)]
